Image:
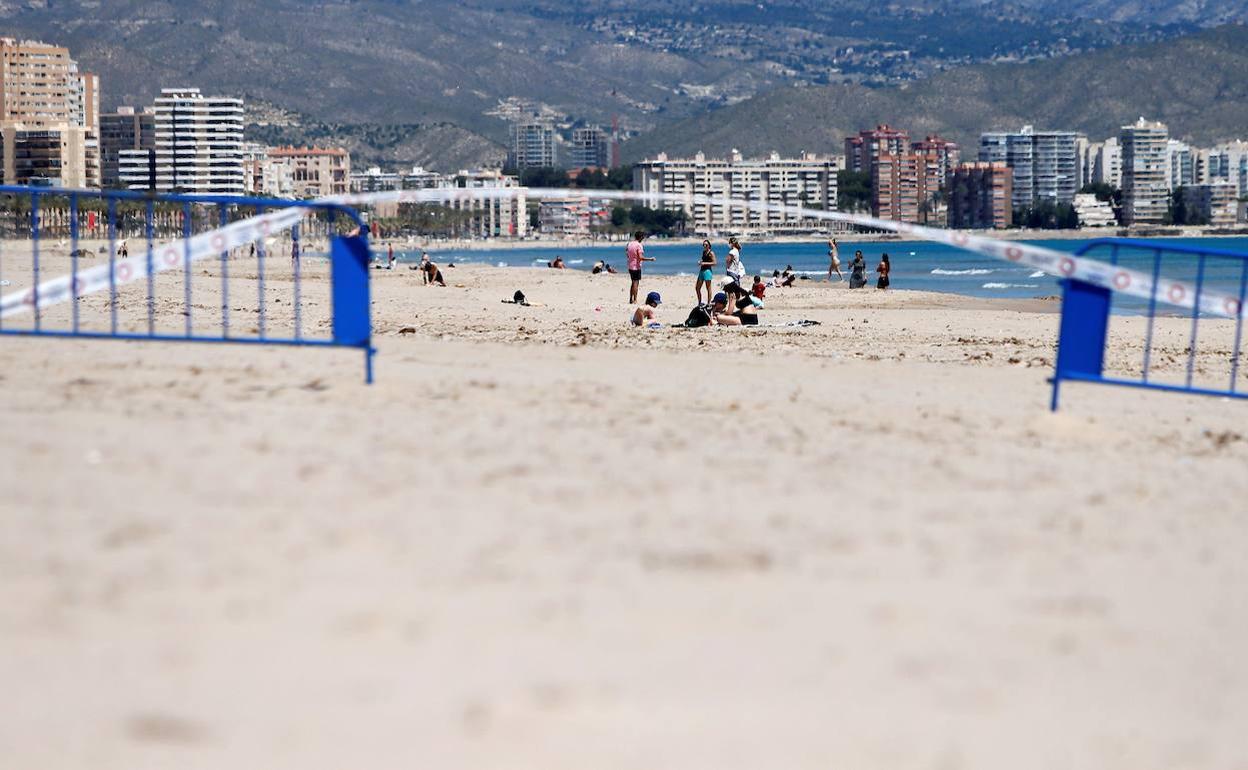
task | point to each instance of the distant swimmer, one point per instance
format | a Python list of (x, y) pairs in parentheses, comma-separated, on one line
[(557, 263)]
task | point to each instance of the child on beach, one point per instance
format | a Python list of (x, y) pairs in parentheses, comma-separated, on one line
[(760, 288), (645, 313), (636, 254), (706, 271)]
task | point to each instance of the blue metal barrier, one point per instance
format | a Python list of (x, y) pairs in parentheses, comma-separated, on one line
[(1087, 309), (176, 234)]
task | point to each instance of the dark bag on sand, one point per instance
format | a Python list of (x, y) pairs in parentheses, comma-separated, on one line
[(699, 316)]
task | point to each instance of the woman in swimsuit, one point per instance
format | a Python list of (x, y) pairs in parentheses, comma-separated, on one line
[(432, 274), (744, 315), (706, 271), (834, 260), (884, 268)]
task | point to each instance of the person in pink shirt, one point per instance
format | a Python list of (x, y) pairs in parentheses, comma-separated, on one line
[(636, 255)]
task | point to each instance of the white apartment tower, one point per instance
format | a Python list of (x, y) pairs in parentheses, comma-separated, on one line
[(1046, 164), (808, 181), (1145, 173), (199, 146), (532, 145)]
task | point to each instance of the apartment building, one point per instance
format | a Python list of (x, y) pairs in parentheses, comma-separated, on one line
[(980, 196), (1046, 164), (315, 172), (590, 148), (899, 188), (497, 216), (199, 146), (1145, 173), (125, 129), (862, 151), (808, 181), (1217, 203), (1107, 163), (49, 114), (532, 145), (1180, 165), (564, 216)]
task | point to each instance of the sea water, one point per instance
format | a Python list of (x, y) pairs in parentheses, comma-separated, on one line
[(916, 265)]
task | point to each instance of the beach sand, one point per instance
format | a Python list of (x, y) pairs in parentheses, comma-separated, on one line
[(545, 540)]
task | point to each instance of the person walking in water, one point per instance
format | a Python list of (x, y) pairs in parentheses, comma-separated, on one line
[(706, 272), (834, 260), (733, 265), (636, 254), (884, 268)]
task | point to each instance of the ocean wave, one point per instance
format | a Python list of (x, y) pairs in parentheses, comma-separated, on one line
[(1037, 274), (971, 271), (576, 261), (1011, 286)]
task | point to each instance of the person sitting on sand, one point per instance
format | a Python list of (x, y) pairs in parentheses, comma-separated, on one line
[(557, 263), (760, 288), (884, 268), (645, 313), (745, 313), (431, 274)]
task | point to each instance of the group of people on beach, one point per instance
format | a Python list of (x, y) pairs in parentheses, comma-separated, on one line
[(734, 305), (857, 268)]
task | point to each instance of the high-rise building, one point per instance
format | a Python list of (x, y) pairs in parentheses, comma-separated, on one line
[(942, 156), (1180, 165), (899, 188), (48, 116), (532, 145), (808, 181), (1145, 173), (1107, 164), (199, 145), (591, 148), (125, 129), (1216, 204), (1228, 162), (1045, 163), (862, 151), (315, 172), (980, 196)]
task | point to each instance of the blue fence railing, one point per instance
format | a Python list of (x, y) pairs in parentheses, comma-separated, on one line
[(184, 268), (1189, 321)]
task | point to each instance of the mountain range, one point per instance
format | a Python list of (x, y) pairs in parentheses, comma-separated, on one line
[(430, 80), (1197, 84)]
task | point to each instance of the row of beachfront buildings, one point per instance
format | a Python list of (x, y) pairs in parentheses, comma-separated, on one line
[(53, 134), (928, 182)]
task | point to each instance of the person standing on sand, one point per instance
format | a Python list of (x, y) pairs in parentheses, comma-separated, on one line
[(858, 271), (884, 268), (834, 260), (636, 254), (706, 272), (733, 265)]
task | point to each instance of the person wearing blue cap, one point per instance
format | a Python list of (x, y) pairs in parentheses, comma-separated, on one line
[(745, 314), (645, 313)]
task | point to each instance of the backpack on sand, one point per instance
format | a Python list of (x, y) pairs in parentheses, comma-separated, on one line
[(699, 316)]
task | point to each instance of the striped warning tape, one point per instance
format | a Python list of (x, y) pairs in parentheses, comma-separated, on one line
[(1131, 282)]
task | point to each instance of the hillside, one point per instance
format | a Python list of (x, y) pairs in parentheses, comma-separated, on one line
[(1197, 84)]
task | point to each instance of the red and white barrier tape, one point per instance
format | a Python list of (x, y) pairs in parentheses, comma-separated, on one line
[(171, 255)]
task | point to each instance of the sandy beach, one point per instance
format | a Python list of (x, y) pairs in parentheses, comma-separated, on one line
[(546, 540)]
